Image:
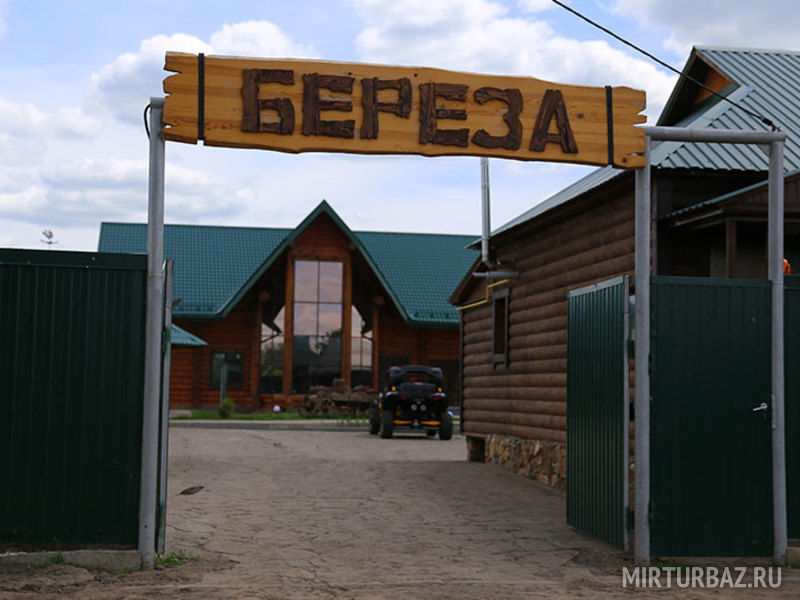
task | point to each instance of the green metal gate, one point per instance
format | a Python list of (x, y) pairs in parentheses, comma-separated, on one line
[(792, 357), (710, 454), (597, 411), (71, 385)]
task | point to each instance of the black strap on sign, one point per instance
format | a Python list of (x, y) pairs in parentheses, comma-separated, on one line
[(201, 96), (610, 123)]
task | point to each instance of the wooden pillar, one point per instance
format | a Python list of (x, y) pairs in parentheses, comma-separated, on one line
[(375, 344), (288, 328), (347, 318), (730, 248), (420, 360)]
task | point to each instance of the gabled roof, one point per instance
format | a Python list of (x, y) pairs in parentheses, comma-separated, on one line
[(181, 337), (766, 82), (215, 266)]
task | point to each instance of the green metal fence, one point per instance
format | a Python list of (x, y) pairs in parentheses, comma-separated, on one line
[(710, 465), (792, 356), (597, 411), (71, 384)]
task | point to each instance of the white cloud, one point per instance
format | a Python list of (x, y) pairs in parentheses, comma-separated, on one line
[(536, 5), (687, 23), (257, 38), (476, 35), (25, 119), (124, 85)]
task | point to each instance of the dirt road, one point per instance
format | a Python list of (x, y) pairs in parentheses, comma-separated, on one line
[(288, 515)]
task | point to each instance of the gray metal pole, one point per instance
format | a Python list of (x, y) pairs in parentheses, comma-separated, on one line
[(485, 212), (152, 354), (163, 447), (775, 243), (722, 136), (642, 353)]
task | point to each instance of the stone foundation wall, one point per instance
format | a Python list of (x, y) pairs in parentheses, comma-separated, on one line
[(546, 462)]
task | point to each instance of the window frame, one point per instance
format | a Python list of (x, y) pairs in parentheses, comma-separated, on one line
[(500, 358)]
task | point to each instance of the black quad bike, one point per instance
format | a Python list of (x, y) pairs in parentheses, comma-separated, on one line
[(412, 399)]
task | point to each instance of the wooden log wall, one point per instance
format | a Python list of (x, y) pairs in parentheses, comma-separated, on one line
[(184, 384), (420, 344), (233, 334), (582, 243)]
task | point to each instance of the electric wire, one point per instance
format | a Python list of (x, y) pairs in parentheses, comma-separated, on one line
[(146, 125), (763, 119)]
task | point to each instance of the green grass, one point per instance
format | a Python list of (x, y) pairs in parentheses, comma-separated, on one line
[(174, 559), (213, 415)]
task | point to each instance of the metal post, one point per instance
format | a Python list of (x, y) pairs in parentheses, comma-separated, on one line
[(152, 355), (486, 212), (163, 447), (642, 354), (775, 243)]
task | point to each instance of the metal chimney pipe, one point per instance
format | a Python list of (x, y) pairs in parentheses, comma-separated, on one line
[(487, 226)]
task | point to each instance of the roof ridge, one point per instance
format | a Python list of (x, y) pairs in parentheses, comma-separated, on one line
[(253, 227), (747, 49), (469, 235), (200, 225)]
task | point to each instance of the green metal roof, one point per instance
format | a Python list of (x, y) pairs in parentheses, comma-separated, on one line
[(215, 266), (181, 337), (767, 82)]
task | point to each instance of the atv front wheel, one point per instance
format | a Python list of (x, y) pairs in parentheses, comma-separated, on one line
[(446, 428), (387, 424), (374, 421)]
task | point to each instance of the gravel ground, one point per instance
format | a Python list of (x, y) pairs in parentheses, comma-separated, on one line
[(287, 515)]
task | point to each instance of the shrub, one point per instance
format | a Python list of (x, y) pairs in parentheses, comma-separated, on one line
[(226, 408)]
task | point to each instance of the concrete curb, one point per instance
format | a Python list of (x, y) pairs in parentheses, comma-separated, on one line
[(305, 425), (107, 560)]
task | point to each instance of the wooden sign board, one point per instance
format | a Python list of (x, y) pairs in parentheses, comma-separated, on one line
[(317, 106)]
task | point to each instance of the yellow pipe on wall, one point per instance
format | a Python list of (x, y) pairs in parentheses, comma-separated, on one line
[(489, 289)]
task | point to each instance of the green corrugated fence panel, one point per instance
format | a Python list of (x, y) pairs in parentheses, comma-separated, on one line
[(792, 355), (596, 411), (71, 384), (710, 466)]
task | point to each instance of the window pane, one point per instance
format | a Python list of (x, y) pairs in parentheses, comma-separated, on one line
[(305, 318), (271, 363), (306, 276), (366, 352), (234, 364), (329, 360), (330, 320), (330, 282)]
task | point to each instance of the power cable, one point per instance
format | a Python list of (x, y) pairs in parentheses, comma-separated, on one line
[(763, 119)]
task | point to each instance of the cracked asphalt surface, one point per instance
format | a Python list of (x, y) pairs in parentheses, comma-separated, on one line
[(287, 515)]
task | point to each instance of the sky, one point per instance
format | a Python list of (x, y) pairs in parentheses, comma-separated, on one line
[(75, 76)]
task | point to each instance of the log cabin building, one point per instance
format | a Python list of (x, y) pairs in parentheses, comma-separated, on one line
[(273, 304), (709, 220)]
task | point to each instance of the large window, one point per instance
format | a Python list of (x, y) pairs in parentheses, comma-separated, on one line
[(317, 334), (360, 351), (271, 366), (500, 320)]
